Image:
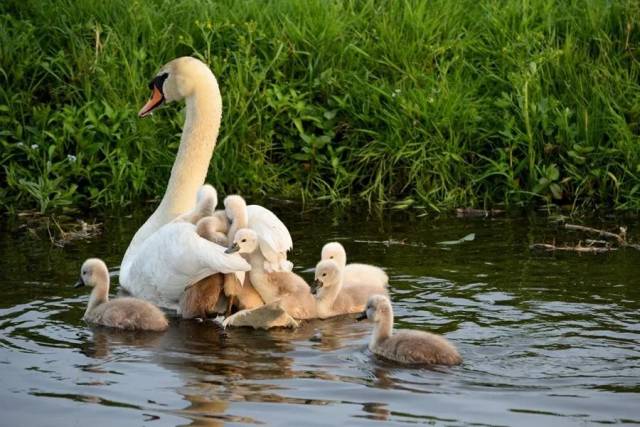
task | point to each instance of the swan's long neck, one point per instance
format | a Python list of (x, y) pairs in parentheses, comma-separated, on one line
[(204, 112), (99, 294), (382, 329), (328, 295)]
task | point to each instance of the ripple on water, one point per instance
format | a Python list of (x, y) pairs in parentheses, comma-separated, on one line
[(545, 340)]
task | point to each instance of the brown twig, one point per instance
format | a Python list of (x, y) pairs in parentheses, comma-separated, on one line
[(593, 246), (621, 238), (579, 248)]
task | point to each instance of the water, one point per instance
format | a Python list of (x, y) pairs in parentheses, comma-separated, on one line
[(546, 338)]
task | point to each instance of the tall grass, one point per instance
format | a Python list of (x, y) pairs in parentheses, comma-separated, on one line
[(433, 103)]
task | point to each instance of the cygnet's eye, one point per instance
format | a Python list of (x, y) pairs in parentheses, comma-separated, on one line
[(324, 274), (243, 240), (84, 271), (331, 257)]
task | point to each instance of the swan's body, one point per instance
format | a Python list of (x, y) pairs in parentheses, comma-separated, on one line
[(332, 299), (354, 273), (287, 288), (121, 313), (406, 346), (172, 258), (164, 257)]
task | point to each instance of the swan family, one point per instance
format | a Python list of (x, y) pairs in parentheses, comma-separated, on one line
[(198, 260)]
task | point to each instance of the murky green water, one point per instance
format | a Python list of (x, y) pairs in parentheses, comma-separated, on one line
[(546, 339)]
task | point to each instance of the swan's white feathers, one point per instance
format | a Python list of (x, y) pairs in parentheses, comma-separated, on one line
[(273, 237), (172, 258)]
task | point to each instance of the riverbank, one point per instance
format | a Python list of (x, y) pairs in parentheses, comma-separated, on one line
[(434, 104)]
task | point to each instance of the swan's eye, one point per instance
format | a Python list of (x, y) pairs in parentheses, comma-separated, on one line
[(244, 240), (324, 274), (331, 257)]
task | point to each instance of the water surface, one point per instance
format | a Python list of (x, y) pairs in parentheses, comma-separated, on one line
[(546, 338)]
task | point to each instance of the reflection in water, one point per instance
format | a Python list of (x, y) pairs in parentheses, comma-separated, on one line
[(545, 338)]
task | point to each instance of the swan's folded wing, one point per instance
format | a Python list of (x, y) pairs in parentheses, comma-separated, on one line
[(213, 257), (173, 258), (273, 237)]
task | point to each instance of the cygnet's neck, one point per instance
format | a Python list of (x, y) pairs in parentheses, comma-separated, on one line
[(240, 220), (260, 278), (100, 292), (328, 295), (382, 329)]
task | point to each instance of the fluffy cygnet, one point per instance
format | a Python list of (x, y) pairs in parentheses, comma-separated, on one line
[(354, 273), (201, 298), (211, 228), (122, 313), (244, 295), (292, 292), (405, 346), (206, 202), (332, 299)]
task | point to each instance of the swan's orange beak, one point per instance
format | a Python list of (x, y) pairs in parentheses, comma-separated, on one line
[(156, 100)]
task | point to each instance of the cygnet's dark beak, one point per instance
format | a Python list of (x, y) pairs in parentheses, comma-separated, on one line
[(233, 248), (317, 284), (362, 316), (79, 283)]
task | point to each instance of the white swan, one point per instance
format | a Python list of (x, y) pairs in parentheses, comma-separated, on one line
[(332, 299), (354, 273), (405, 346), (121, 313), (164, 257)]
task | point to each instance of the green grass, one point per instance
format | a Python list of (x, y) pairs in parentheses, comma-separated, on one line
[(434, 103)]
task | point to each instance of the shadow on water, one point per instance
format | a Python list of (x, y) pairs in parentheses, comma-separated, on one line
[(546, 338)]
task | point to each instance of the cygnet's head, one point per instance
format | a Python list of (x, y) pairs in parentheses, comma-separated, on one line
[(210, 228), (334, 251), (244, 242), (378, 308), (207, 198), (92, 273), (176, 80), (327, 275), (234, 205)]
